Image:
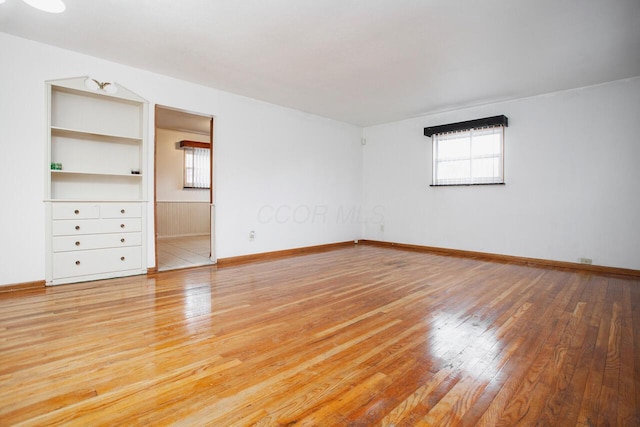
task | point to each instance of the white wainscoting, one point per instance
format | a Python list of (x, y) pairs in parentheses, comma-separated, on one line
[(183, 218)]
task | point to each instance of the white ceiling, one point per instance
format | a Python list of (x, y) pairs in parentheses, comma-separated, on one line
[(168, 118), (360, 61)]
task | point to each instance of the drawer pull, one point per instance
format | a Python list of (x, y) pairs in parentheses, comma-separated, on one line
[(76, 212), (122, 240), (77, 227), (121, 225), (121, 211), (77, 243), (77, 262), (121, 258)]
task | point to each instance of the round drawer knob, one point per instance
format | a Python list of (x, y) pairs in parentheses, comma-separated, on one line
[(77, 262), (121, 211), (121, 225), (77, 227), (121, 258), (76, 212), (122, 240), (77, 243)]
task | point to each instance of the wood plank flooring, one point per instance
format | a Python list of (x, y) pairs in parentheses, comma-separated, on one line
[(359, 336)]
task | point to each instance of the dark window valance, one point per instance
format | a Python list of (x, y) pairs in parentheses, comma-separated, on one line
[(181, 145), (469, 124)]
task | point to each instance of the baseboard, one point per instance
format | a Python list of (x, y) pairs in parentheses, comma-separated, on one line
[(23, 286), (485, 256), (270, 256)]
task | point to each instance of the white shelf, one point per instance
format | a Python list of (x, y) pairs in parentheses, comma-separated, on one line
[(98, 139), (64, 172), (103, 200), (79, 134)]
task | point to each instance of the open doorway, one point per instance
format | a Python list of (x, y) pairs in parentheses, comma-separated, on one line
[(184, 214)]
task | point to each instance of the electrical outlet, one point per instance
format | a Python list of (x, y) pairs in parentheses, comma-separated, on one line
[(252, 235), (382, 228), (585, 260)]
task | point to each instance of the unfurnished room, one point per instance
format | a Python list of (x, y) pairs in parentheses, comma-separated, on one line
[(320, 213)]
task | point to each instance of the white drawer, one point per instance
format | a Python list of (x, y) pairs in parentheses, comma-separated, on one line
[(96, 241), (80, 263), (96, 226), (75, 211), (121, 210)]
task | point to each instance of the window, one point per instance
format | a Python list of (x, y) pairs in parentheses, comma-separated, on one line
[(197, 168), (468, 153)]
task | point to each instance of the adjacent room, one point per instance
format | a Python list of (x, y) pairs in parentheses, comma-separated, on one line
[(184, 189), (394, 213)]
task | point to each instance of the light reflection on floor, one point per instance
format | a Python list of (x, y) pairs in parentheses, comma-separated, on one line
[(465, 345), (197, 302)]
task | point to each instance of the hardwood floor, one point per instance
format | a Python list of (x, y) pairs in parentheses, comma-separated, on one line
[(357, 336), (183, 252)]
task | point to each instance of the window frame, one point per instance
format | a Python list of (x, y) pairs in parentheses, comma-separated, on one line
[(470, 134), (469, 127), (190, 184)]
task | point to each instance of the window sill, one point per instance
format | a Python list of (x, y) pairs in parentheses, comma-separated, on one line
[(465, 185)]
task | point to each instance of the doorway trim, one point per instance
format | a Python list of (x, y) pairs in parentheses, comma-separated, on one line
[(212, 234)]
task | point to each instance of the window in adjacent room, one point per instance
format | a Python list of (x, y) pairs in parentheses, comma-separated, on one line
[(197, 172), (468, 153)]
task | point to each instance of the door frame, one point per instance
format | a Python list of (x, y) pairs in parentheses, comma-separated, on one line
[(212, 232)]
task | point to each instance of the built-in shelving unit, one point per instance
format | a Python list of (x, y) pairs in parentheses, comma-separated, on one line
[(95, 182)]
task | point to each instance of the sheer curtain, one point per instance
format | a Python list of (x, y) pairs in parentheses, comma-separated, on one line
[(197, 168), (467, 157)]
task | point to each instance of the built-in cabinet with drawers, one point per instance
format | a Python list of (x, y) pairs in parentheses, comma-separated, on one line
[(95, 181)]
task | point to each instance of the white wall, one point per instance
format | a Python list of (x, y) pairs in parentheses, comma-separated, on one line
[(293, 175), (572, 167), (170, 167), (265, 155), (296, 179)]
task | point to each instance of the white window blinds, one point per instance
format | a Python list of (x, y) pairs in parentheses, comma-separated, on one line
[(197, 168), (468, 157)]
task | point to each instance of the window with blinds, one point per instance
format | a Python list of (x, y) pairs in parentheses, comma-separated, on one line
[(468, 153), (469, 157), (197, 168)]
